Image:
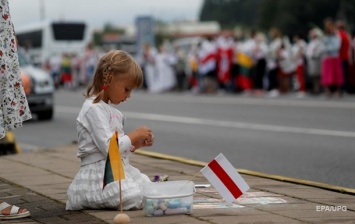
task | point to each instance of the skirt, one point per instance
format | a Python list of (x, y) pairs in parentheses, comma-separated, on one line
[(14, 108), (332, 72), (313, 67), (85, 192)]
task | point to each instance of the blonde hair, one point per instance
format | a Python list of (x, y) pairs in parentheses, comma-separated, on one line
[(116, 63)]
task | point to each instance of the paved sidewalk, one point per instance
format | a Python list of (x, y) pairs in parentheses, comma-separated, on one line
[(39, 180)]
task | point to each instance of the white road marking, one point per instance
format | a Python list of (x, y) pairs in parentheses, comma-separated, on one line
[(220, 123)]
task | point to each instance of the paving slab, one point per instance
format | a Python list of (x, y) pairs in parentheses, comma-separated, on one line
[(39, 180)]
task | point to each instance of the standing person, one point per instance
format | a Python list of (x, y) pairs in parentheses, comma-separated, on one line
[(298, 51), (345, 52), (150, 71), (272, 63), (224, 60), (14, 108), (207, 65), (259, 54), (75, 69), (313, 55), (351, 83), (246, 64), (192, 69), (89, 61), (55, 68), (287, 65), (180, 69), (116, 75), (166, 78), (332, 73), (66, 71)]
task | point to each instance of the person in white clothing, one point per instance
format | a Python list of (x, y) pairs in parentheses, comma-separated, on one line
[(313, 54), (166, 78), (298, 55), (55, 66), (149, 66), (116, 75), (287, 65), (259, 54), (272, 61)]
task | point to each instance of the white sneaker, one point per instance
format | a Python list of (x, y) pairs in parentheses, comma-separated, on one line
[(301, 95), (274, 93)]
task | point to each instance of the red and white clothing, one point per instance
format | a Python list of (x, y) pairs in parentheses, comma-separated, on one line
[(331, 71), (225, 54), (207, 55), (345, 47), (298, 51)]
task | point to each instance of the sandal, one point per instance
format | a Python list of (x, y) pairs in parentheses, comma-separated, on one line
[(14, 212)]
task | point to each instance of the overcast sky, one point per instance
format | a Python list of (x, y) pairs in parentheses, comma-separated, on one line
[(99, 12)]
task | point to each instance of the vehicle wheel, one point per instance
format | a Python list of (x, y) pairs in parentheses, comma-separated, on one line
[(45, 115)]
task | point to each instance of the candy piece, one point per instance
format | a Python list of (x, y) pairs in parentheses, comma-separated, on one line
[(155, 204), (149, 202), (174, 204), (149, 211), (171, 211), (158, 212), (163, 206)]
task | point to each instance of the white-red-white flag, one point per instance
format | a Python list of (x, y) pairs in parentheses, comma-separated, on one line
[(225, 178)]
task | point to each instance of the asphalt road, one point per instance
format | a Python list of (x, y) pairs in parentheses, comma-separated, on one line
[(310, 138)]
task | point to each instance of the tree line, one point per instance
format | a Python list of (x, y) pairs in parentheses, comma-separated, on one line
[(291, 17)]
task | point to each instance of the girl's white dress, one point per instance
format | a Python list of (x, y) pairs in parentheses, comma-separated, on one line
[(13, 103), (96, 124)]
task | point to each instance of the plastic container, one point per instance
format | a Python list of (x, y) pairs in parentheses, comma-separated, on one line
[(168, 198)]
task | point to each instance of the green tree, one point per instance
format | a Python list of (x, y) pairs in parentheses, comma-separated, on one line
[(290, 16), (230, 13), (296, 17)]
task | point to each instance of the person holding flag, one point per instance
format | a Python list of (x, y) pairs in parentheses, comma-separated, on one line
[(103, 148)]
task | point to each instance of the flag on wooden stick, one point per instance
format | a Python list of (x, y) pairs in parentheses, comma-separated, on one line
[(113, 168), (225, 178)]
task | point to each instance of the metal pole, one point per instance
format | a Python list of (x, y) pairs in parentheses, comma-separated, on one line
[(42, 10)]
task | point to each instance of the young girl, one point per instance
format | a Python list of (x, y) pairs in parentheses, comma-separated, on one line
[(116, 75)]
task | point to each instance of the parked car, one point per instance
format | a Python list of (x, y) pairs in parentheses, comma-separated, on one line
[(39, 88)]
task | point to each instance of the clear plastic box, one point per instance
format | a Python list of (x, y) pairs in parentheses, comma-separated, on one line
[(168, 198)]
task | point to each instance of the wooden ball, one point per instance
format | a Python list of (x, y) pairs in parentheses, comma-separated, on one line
[(121, 218)]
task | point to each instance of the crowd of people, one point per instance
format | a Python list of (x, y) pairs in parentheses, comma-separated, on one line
[(255, 64), (71, 70)]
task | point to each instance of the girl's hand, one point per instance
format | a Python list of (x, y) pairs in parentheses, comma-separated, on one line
[(149, 141), (141, 137)]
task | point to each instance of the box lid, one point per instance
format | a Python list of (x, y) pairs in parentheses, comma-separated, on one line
[(168, 189)]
